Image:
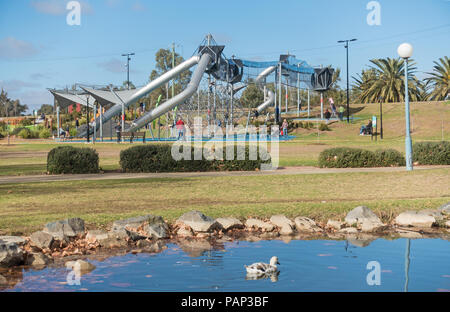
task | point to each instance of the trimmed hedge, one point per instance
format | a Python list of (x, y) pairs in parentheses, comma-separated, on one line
[(344, 157), (158, 158), (69, 159), (432, 153)]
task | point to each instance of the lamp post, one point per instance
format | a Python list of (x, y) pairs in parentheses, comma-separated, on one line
[(128, 68), (348, 96), (405, 51)]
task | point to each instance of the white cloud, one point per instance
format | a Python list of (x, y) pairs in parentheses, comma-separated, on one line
[(12, 48), (138, 7), (16, 85)]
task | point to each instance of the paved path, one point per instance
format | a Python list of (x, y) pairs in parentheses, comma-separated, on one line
[(280, 171)]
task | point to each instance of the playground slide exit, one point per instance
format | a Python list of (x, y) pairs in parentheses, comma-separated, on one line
[(271, 96)]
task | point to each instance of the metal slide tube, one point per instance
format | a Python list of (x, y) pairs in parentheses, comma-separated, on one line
[(171, 103), (271, 96), (167, 76)]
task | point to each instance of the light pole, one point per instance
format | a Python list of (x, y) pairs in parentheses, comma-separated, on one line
[(348, 96), (128, 68), (405, 51)]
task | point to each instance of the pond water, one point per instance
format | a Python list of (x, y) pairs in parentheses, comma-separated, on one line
[(306, 265)]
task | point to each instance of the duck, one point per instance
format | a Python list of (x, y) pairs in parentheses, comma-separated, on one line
[(260, 268)]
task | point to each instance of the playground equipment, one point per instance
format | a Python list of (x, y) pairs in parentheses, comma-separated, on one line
[(225, 79)]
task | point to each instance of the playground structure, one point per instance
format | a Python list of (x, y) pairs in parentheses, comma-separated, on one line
[(216, 100)]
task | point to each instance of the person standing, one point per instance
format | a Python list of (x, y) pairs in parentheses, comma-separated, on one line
[(77, 123), (327, 115), (180, 128), (341, 113), (285, 126), (118, 131), (333, 107)]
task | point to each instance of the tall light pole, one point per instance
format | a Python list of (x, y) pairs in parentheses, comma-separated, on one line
[(405, 51), (348, 96), (128, 68)]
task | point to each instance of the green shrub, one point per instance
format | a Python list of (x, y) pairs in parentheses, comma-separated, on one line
[(344, 157), (324, 127), (389, 158), (44, 134), (25, 133), (26, 122), (72, 132), (158, 158), (432, 153), (69, 159), (16, 130)]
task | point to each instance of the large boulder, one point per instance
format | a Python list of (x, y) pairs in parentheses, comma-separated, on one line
[(415, 218), (198, 222), (445, 208), (41, 239), (10, 255), (65, 228), (12, 240), (80, 266), (304, 224), (37, 260), (286, 226), (147, 226), (259, 224), (96, 235), (230, 223), (361, 214)]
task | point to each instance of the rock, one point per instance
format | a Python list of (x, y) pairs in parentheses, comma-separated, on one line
[(348, 230), (37, 259), (447, 223), (414, 218), (65, 228), (408, 234), (445, 208), (10, 255), (337, 225), (185, 231), (304, 224), (199, 222), (361, 214), (369, 226), (41, 239), (157, 230), (152, 226), (259, 224), (96, 235), (230, 223), (80, 266), (114, 240), (286, 225), (12, 240), (437, 214)]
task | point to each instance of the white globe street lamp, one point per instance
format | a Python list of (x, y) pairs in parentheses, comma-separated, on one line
[(405, 51)]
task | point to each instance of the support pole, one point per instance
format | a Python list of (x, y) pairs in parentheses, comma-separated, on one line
[(321, 105), (308, 104), (101, 123), (408, 143), (58, 122), (94, 136)]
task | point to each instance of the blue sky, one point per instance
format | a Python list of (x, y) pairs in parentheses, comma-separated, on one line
[(39, 50)]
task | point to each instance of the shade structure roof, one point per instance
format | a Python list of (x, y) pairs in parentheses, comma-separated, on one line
[(106, 97), (67, 98)]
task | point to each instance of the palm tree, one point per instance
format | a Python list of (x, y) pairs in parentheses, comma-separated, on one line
[(387, 82), (440, 80)]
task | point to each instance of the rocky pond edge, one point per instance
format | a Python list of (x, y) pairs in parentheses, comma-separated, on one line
[(67, 242)]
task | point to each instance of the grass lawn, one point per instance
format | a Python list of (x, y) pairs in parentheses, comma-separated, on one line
[(27, 207), (429, 122)]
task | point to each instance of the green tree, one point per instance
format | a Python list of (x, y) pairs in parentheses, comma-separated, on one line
[(9, 108), (163, 60), (252, 96), (439, 80), (47, 109), (387, 82)]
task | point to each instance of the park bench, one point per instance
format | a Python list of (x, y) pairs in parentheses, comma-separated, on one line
[(132, 135)]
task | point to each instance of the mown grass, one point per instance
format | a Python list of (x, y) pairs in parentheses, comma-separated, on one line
[(27, 207)]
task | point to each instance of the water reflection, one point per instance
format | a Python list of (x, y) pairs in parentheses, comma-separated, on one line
[(272, 276), (204, 265)]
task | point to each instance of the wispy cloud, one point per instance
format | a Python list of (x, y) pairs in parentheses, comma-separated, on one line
[(12, 48), (16, 85), (138, 7), (58, 7)]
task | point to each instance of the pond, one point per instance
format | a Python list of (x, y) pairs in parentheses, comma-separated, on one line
[(306, 265)]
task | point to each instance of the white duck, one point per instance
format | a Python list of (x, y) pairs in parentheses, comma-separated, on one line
[(259, 268)]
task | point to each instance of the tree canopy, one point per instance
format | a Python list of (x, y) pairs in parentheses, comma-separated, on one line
[(10, 108)]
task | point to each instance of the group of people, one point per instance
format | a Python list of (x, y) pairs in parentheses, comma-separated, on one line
[(334, 112)]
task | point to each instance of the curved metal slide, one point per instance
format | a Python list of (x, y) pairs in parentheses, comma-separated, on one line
[(271, 97), (117, 109)]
